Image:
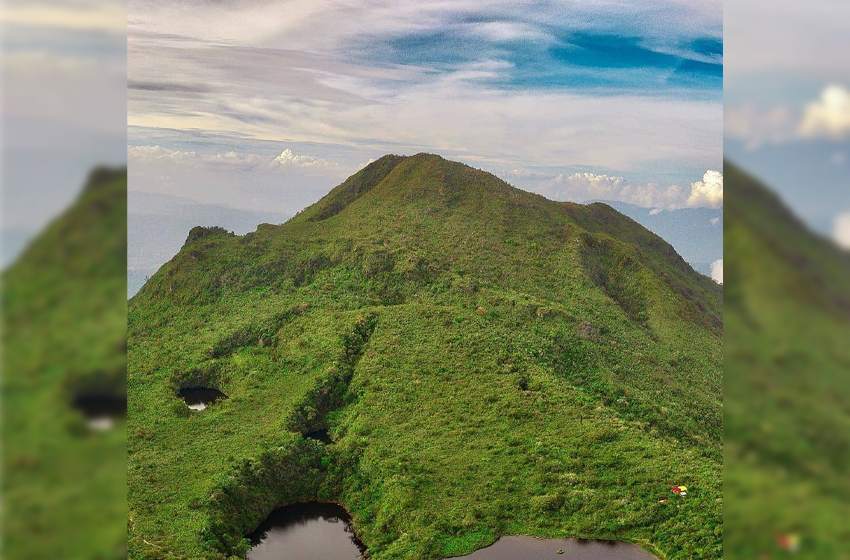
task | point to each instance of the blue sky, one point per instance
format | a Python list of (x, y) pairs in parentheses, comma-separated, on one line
[(575, 100)]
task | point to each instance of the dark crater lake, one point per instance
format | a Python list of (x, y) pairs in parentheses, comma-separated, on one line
[(317, 531), (308, 531), (198, 398), (101, 410)]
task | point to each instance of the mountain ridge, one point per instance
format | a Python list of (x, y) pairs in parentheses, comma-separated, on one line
[(443, 326), (384, 181)]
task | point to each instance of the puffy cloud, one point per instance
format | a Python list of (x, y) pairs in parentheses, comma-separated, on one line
[(244, 161), (841, 231), (828, 116), (598, 183), (708, 192), (158, 153), (717, 271), (288, 159), (655, 211), (714, 221)]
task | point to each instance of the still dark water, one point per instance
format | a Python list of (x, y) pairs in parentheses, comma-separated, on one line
[(198, 398), (529, 548), (314, 531), (101, 410), (320, 435), (310, 531)]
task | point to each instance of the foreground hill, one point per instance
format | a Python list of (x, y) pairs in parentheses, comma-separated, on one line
[(487, 362), (64, 485), (157, 226), (787, 427)]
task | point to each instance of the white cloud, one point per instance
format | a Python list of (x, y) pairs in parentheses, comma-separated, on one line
[(510, 31), (829, 116), (584, 187), (708, 192), (244, 161), (841, 231), (288, 159), (717, 271), (158, 153), (362, 165), (714, 221)]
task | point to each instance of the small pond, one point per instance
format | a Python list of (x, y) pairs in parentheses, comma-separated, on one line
[(101, 410), (529, 548), (309, 531), (319, 435), (314, 531), (198, 398)]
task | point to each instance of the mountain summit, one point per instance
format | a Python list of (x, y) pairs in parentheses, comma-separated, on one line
[(486, 362)]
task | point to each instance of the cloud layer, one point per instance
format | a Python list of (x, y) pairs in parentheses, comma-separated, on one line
[(827, 117), (615, 86), (584, 187), (245, 161)]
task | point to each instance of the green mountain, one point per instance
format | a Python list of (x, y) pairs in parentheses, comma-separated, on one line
[(487, 362), (64, 312), (787, 324)]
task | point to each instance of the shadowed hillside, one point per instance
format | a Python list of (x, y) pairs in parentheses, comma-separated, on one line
[(787, 327), (487, 362)]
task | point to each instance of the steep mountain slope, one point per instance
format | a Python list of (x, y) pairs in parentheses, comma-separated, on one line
[(787, 326), (64, 485), (487, 361), (695, 233), (157, 226)]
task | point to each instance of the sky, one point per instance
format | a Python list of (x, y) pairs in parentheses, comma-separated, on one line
[(267, 105), (787, 104), (63, 106)]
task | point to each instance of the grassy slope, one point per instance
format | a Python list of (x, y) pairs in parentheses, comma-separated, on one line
[(64, 487), (530, 367), (787, 326)]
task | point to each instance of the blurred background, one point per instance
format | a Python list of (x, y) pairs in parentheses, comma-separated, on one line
[(63, 250), (787, 313), (787, 236)]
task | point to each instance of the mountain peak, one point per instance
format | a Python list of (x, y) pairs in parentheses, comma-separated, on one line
[(416, 295)]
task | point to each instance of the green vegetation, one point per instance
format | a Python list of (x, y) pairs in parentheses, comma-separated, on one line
[(487, 361), (64, 310), (787, 428)]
